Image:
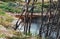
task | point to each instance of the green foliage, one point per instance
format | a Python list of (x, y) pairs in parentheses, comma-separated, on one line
[(2, 35), (38, 7), (10, 7), (2, 12), (7, 0)]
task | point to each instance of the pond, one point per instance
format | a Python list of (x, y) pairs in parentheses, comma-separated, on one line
[(35, 26)]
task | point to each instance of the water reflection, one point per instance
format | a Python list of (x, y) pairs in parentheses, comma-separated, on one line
[(35, 30)]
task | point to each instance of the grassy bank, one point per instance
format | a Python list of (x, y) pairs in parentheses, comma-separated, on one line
[(9, 7), (5, 19), (12, 7)]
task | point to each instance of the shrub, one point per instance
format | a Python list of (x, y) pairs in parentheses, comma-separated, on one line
[(10, 7)]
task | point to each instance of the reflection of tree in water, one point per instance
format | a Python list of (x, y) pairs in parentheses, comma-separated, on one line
[(50, 23)]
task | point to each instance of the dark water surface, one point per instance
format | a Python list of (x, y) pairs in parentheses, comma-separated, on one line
[(35, 29)]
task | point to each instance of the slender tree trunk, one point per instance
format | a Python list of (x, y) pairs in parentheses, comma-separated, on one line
[(40, 31)]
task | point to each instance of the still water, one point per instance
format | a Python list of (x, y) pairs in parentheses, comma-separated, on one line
[(35, 26)]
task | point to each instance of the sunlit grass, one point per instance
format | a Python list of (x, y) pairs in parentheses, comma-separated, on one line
[(2, 35), (9, 7), (5, 19)]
